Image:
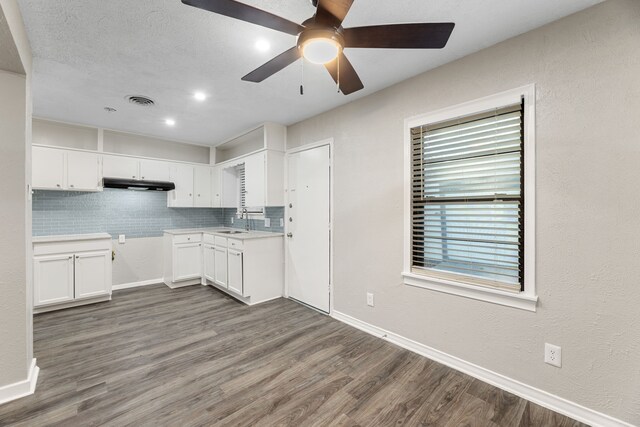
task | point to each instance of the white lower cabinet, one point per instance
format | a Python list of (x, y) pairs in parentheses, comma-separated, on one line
[(52, 279), (187, 261), (71, 271), (208, 262), (220, 277), (93, 274), (234, 264)]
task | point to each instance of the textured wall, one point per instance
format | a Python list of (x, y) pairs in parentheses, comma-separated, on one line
[(586, 68), (133, 213), (14, 321)]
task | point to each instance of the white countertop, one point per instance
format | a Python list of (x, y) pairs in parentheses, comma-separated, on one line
[(252, 234), (69, 237)]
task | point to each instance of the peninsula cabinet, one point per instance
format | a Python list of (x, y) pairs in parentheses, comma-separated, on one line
[(71, 270)]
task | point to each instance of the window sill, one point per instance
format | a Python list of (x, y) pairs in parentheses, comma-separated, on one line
[(495, 296)]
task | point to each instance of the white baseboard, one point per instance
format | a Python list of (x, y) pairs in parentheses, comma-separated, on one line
[(137, 284), (535, 395), (21, 388)]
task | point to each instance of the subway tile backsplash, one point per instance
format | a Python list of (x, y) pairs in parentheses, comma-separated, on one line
[(133, 213)]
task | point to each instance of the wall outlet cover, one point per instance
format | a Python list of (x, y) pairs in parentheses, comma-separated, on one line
[(370, 299), (281, 222), (121, 238), (267, 222), (553, 355), (231, 220)]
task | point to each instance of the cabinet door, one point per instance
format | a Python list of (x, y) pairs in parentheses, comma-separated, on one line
[(48, 168), (220, 273), (93, 274), (209, 264), (229, 187), (83, 171), (119, 167), (52, 279), (235, 272), (202, 187), (216, 188), (254, 180), (187, 261), (154, 170), (182, 196)]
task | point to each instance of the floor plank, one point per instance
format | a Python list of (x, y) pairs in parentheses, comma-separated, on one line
[(195, 357)]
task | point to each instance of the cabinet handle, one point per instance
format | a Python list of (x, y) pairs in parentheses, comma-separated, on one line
[(143, 177), (71, 186), (190, 194), (133, 176), (58, 185)]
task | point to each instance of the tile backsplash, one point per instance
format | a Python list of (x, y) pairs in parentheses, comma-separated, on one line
[(133, 213)]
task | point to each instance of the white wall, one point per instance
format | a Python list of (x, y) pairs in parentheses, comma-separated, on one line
[(587, 71), (137, 260), (69, 135), (16, 351)]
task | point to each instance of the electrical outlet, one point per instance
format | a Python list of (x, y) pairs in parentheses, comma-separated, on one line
[(121, 238), (231, 220), (553, 355), (267, 222), (281, 222), (369, 299)]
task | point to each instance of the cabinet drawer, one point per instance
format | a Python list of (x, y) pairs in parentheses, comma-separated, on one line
[(220, 241), (235, 244), (187, 238), (209, 238)]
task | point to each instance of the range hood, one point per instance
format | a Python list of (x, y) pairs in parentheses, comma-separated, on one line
[(140, 185)]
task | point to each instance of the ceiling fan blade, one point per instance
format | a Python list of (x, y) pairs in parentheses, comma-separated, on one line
[(348, 78), (332, 12), (400, 36), (278, 63), (247, 13)]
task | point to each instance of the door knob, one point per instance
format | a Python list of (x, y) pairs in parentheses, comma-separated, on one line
[(289, 234)]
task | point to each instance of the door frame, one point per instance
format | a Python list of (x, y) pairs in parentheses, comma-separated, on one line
[(307, 147)]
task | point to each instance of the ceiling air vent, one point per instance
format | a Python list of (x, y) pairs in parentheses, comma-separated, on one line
[(142, 101)]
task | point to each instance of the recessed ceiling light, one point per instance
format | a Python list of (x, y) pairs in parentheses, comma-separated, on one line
[(170, 122), (200, 96), (262, 45)]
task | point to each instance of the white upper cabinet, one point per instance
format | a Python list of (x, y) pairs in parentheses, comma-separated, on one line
[(202, 187), (119, 167), (216, 187), (48, 168), (55, 169), (83, 171), (154, 170), (182, 196), (254, 169)]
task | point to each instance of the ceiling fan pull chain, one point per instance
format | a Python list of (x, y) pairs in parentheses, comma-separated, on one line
[(302, 84), (338, 63)]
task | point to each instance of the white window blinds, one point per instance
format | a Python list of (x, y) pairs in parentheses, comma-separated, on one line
[(467, 198)]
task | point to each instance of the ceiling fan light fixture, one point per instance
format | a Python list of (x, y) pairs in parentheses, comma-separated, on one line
[(320, 50)]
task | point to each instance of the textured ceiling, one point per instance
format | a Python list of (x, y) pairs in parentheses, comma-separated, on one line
[(89, 54)]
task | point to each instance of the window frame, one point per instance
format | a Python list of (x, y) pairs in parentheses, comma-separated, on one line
[(458, 285)]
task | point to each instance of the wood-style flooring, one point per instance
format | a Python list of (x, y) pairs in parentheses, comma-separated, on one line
[(195, 357)]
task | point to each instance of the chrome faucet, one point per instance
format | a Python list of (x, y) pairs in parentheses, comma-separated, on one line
[(245, 216)]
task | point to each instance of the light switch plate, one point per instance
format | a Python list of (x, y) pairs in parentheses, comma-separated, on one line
[(121, 238), (267, 222)]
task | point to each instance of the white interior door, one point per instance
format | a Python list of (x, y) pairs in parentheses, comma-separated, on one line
[(308, 227)]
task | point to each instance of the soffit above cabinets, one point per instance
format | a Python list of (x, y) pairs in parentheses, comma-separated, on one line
[(90, 54)]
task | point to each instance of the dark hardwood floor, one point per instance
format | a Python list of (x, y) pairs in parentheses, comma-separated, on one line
[(195, 357)]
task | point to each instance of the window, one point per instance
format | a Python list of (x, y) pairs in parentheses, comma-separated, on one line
[(467, 198)]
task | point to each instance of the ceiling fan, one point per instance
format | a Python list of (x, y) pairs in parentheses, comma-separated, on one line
[(322, 39)]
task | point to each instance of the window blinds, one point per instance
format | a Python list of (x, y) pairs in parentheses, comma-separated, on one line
[(467, 198)]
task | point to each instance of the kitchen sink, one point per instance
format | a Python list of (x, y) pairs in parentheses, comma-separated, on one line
[(231, 232)]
